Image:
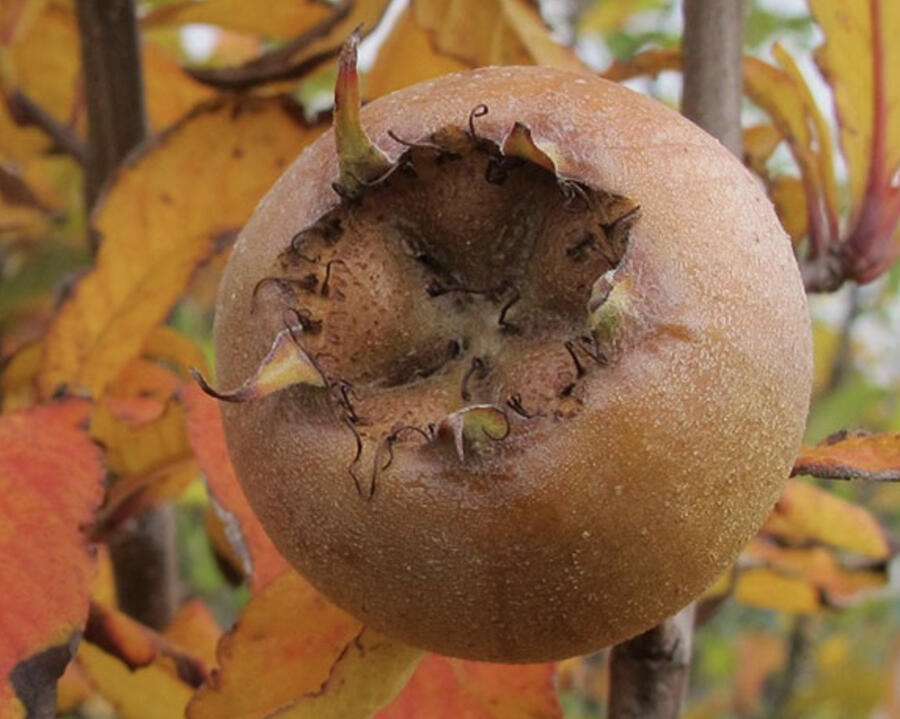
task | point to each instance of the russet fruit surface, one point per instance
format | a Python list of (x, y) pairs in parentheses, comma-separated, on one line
[(563, 365)]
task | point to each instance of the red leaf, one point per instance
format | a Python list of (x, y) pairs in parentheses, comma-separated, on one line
[(51, 482), (208, 439)]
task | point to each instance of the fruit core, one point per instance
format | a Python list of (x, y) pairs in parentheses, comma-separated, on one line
[(466, 282)]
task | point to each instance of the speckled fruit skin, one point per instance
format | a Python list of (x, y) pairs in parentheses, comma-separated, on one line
[(596, 528)]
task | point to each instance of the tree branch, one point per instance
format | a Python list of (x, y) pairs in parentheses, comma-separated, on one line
[(649, 674), (713, 86), (26, 111), (111, 60), (143, 551)]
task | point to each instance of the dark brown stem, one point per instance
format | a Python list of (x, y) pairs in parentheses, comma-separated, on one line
[(143, 555), (143, 552), (712, 48), (114, 87), (26, 111), (798, 651), (649, 674)]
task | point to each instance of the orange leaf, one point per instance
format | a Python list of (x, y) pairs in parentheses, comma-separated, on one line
[(875, 457), (288, 639), (444, 688), (161, 218), (861, 61), (242, 526), (806, 513), (195, 630), (51, 481), (407, 57)]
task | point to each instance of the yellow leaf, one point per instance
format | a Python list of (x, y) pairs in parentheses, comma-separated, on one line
[(288, 639), (152, 462), (44, 62), (160, 219), (282, 19), (300, 56), (767, 589), (759, 143), (169, 91), (365, 678), (806, 513), (150, 692), (789, 197), (861, 60), (607, 16), (407, 57), (493, 32)]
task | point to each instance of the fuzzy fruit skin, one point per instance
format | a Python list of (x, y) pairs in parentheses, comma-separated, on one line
[(580, 534)]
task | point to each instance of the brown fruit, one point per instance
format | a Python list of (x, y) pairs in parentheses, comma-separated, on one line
[(603, 286)]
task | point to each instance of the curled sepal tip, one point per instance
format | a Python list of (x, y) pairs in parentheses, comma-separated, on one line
[(519, 143), (361, 162), (285, 364), (475, 423), (609, 305)]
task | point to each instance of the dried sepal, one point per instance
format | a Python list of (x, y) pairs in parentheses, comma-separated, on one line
[(361, 161), (285, 364), (609, 304), (519, 143), (475, 423)]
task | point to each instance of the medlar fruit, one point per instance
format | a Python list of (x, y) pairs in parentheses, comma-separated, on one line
[(519, 375)]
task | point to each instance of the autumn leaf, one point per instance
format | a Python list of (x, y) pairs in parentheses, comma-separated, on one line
[(318, 41), (493, 32), (42, 59), (151, 462), (307, 657), (806, 513), (161, 218), (861, 61), (407, 56), (282, 19), (247, 538), (445, 688), (51, 479), (169, 91), (138, 646), (849, 455)]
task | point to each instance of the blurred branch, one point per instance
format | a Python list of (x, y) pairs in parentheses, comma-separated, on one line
[(713, 74), (649, 674), (26, 111), (111, 61), (798, 651), (143, 552)]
